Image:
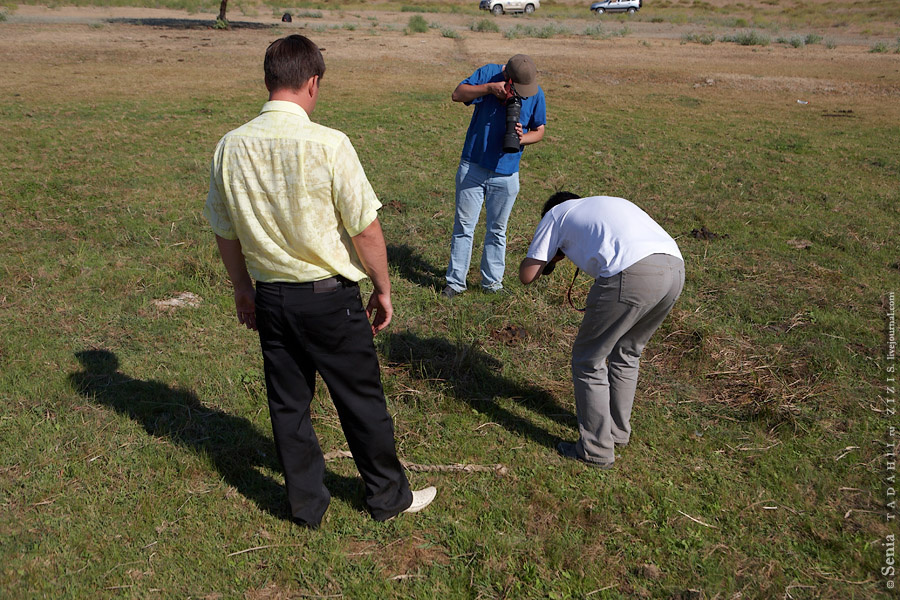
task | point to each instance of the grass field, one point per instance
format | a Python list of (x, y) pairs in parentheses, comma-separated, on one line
[(136, 457)]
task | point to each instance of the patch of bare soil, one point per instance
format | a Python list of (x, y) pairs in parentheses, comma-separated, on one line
[(644, 28), (402, 558), (139, 51)]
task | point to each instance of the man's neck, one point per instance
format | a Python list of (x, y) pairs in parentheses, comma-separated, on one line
[(299, 97)]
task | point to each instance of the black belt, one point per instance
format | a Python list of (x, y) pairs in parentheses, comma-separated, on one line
[(318, 287)]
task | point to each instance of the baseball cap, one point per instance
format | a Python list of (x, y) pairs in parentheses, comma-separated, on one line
[(523, 73)]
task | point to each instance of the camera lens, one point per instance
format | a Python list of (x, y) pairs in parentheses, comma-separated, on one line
[(511, 139)]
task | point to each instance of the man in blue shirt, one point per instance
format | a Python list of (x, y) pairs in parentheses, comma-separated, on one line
[(488, 175)]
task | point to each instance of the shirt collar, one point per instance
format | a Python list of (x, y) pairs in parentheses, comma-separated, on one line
[(284, 106)]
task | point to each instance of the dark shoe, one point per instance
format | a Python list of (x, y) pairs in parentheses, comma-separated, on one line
[(305, 525), (567, 449), (449, 292)]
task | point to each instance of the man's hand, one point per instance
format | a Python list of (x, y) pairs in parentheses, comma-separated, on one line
[(370, 248), (244, 294), (531, 268), (466, 92), (532, 137), (500, 89), (245, 303), (380, 306)]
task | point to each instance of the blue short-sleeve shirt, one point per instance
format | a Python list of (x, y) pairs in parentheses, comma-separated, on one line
[(484, 140)]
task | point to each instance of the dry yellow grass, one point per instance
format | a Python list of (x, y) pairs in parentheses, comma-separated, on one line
[(53, 56)]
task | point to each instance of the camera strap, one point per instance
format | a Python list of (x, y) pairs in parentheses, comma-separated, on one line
[(569, 292)]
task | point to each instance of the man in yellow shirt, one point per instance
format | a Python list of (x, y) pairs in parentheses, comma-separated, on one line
[(291, 208)]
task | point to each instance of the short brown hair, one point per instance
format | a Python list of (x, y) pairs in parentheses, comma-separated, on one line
[(291, 61)]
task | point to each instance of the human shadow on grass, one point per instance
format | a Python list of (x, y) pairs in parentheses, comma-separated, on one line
[(475, 378), (413, 267), (234, 445), (190, 23)]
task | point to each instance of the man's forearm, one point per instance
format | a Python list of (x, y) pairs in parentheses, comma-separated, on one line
[(371, 249), (466, 92), (530, 270), (233, 259)]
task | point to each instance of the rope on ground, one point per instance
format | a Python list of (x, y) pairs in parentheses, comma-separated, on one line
[(498, 468)]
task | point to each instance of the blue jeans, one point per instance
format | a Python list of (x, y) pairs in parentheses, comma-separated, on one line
[(476, 186)]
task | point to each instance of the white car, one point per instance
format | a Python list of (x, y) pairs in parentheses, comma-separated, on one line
[(629, 6), (498, 7)]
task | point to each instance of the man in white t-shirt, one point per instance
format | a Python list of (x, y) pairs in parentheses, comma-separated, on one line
[(639, 274)]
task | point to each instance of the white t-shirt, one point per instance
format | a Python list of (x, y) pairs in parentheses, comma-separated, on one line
[(602, 235)]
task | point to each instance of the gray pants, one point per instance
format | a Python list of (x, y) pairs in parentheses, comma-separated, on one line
[(622, 313)]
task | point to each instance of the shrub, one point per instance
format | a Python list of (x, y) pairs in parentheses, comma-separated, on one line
[(419, 9), (485, 26), (545, 32), (417, 24), (748, 38), (795, 41), (700, 38), (450, 33), (309, 14), (830, 44), (879, 48), (595, 31), (813, 38)]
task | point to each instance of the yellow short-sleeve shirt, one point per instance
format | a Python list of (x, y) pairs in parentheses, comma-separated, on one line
[(294, 193)]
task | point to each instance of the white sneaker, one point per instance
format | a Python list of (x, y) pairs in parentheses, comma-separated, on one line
[(421, 499)]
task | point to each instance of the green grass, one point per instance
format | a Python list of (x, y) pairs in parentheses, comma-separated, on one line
[(417, 24), (485, 26), (136, 456), (812, 38), (597, 31), (748, 38), (700, 38), (532, 31), (794, 41)]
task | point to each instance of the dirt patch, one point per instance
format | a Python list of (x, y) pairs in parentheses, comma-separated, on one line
[(705, 234), (111, 54), (402, 558), (509, 335)]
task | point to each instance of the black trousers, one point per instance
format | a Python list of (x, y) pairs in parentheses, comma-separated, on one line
[(304, 330)]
